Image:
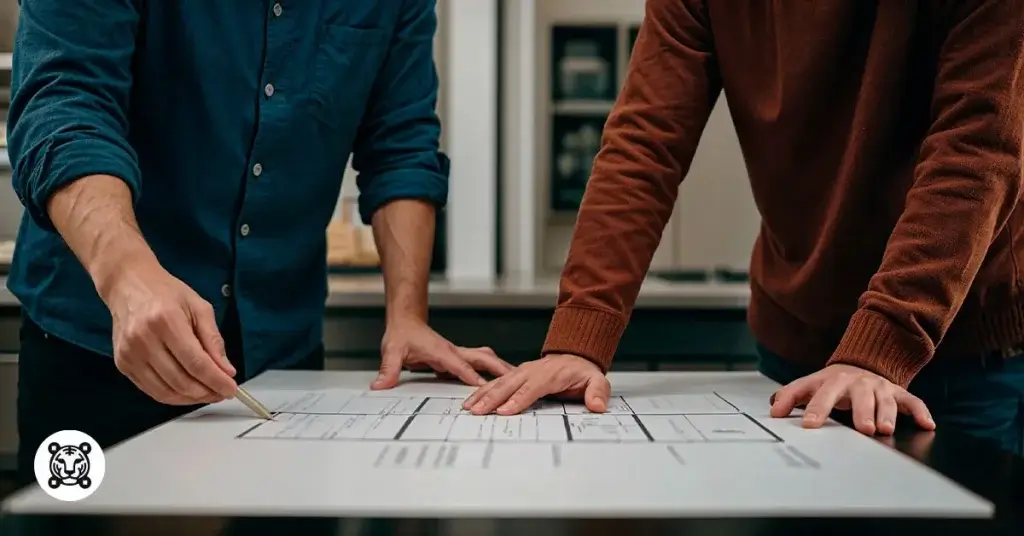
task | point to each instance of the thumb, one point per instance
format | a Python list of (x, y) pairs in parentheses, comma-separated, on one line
[(596, 395), (205, 324), (390, 369)]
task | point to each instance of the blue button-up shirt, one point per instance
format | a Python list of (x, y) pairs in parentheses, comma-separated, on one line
[(231, 121)]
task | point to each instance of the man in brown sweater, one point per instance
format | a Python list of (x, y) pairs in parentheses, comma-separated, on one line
[(883, 144)]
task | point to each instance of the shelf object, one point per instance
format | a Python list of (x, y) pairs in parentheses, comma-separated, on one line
[(584, 83), (587, 67), (350, 244)]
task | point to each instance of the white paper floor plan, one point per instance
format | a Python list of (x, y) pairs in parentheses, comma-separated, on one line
[(348, 416)]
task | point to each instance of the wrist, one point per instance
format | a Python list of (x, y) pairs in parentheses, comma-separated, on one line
[(110, 271), (406, 317)]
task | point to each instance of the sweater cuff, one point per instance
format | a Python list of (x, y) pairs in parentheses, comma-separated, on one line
[(588, 333), (874, 343)]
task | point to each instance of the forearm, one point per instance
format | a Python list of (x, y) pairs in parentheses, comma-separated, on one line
[(404, 232), (74, 169), (966, 185), (648, 145), (94, 215)]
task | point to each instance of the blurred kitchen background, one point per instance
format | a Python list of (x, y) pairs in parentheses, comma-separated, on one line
[(526, 88)]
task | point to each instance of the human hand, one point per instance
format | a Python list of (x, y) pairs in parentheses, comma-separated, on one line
[(561, 375), (415, 345), (875, 401), (166, 339)]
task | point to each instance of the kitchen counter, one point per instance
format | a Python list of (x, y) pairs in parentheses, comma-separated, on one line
[(368, 292)]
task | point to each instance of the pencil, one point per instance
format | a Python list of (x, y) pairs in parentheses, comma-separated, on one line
[(244, 397)]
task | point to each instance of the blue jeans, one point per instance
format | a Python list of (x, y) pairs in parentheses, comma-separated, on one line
[(984, 398)]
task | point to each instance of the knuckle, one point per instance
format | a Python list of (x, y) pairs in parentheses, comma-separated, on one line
[(156, 319), (204, 308), (866, 383), (190, 362), (133, 339), (121, 362), (217, 341), (388, 347)]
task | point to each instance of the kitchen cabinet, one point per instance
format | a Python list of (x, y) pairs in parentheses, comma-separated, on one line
[(576, 63)]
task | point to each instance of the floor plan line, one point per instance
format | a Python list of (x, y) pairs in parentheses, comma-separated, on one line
[(643, 428), (408, 421), (762, 427), (726, 400), (702, 436), (419, 407)]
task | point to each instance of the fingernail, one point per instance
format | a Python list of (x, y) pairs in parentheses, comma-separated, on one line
[(811, 416), (886, 423)]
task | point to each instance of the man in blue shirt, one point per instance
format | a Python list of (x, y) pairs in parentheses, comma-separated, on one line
[(179, 163)]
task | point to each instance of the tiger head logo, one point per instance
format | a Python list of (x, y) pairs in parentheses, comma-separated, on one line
[(69, 465)]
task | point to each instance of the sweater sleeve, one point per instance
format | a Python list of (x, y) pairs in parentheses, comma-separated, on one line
[(966, 184), (648, 145)]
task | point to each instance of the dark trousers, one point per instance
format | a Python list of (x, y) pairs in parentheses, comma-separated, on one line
[(982, 397), (64, 387)]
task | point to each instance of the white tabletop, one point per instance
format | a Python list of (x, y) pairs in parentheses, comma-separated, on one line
[(673, 444)]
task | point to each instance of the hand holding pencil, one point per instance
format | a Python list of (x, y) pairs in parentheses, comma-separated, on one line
[(166, 339)]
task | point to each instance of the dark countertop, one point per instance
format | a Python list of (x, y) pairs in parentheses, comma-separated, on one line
[(367, 291), (977, 466)]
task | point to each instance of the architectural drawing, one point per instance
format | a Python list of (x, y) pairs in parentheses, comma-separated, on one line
[(349, 416)]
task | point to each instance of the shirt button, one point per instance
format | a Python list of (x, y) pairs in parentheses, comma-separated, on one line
[(277, 10), (245, 229), (225, 290), (268, 90), (257, 169)]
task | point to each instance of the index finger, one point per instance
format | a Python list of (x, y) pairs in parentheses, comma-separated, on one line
[(524, 397), (822, 403), (187, 350), (484, 359), (453, 363), (785, 400)]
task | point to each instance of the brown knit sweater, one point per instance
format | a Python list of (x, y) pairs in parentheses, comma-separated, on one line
[(882, 139)]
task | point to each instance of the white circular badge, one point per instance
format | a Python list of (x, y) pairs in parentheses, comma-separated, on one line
[(69, 465)]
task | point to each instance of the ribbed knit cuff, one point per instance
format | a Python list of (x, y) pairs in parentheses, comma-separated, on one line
[(588, 333), (874, 343)]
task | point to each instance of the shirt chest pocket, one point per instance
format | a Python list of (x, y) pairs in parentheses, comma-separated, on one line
[(345, 68)]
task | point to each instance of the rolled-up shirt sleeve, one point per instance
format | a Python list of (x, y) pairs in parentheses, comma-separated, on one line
[(397, 153), (69, 97)]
